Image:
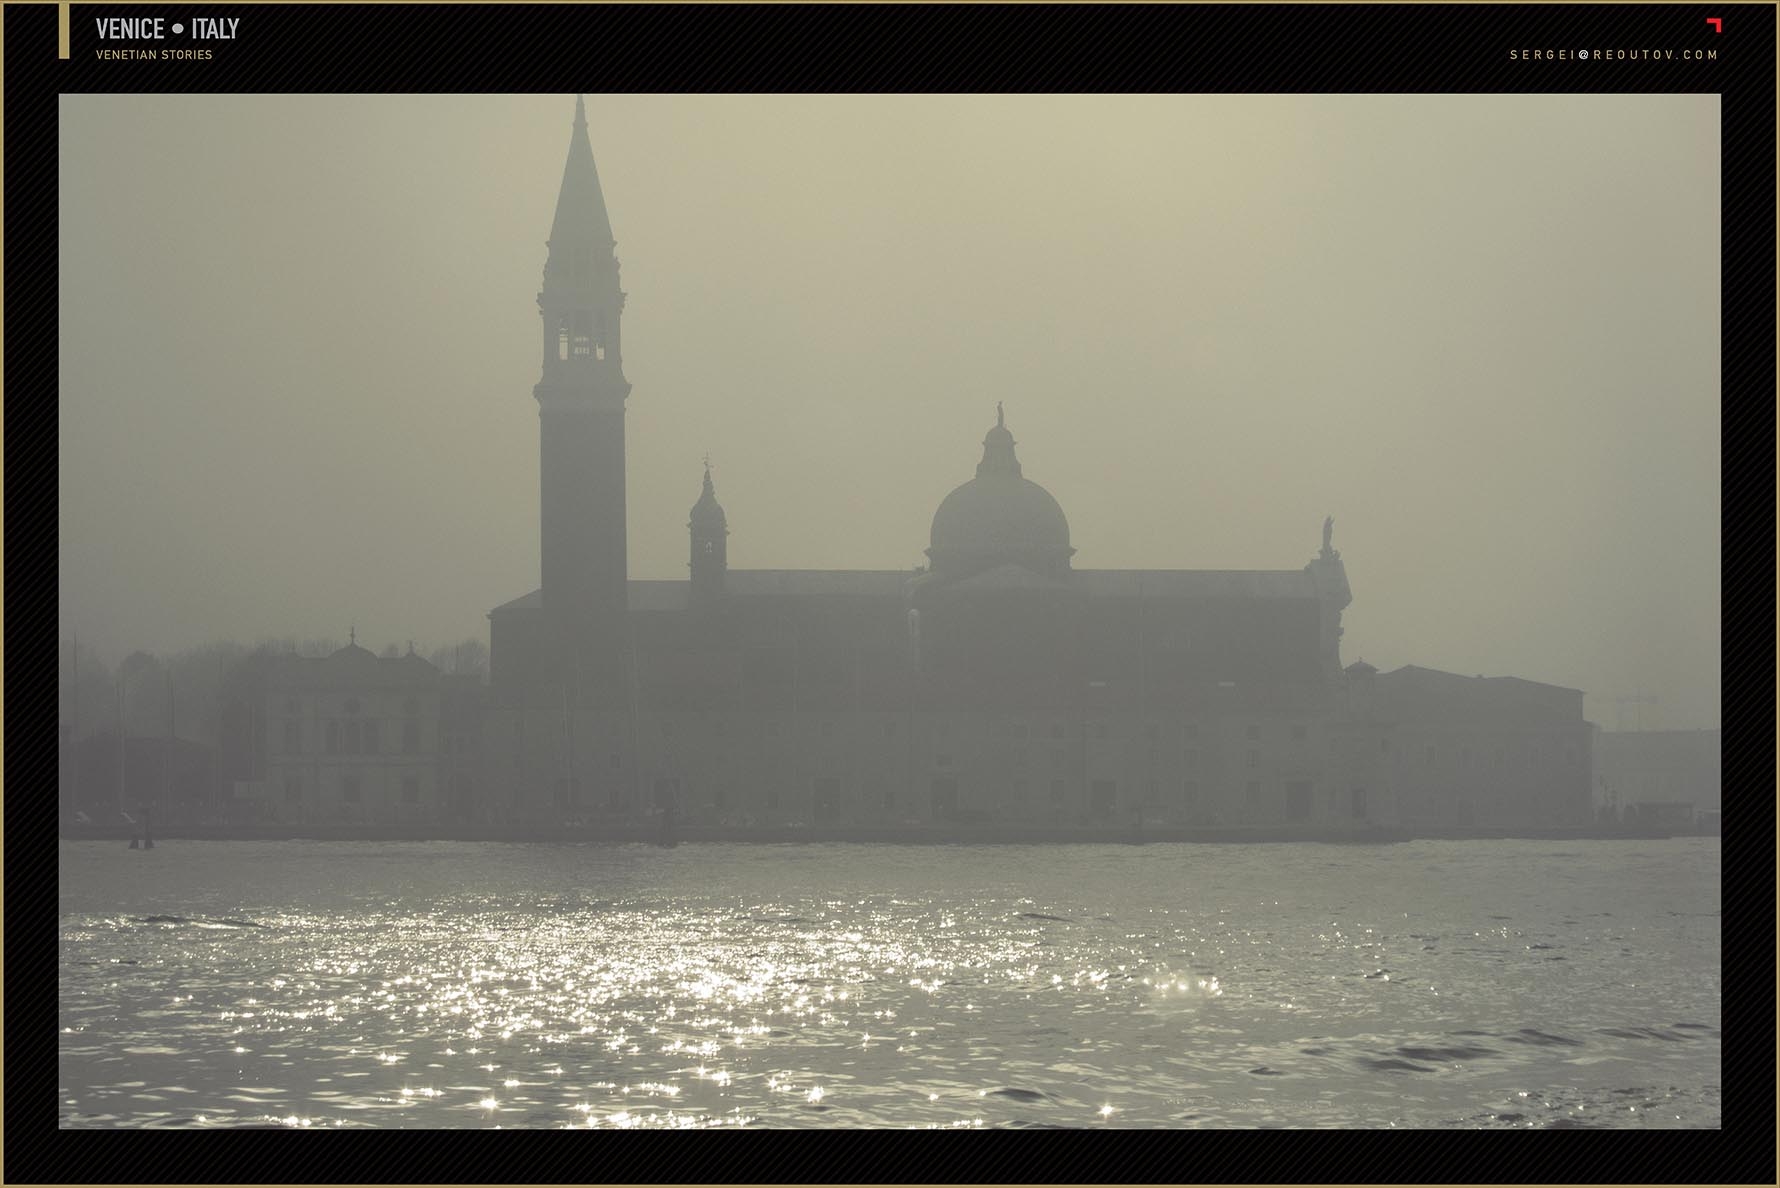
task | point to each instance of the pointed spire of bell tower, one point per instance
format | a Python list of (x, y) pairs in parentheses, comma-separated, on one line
[(581, 220)]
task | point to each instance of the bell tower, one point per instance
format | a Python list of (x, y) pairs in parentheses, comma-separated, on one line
[(581, 423)]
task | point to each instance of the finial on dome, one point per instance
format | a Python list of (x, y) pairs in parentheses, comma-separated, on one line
[(1000, 420), (352, 634), (580, 111)]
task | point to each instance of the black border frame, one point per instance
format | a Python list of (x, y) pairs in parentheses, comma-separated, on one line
[(487, 48)]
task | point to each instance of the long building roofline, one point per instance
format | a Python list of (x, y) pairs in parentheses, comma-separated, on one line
[(654, 593)]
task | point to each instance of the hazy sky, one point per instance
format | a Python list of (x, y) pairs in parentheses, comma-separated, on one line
[(299, 337)]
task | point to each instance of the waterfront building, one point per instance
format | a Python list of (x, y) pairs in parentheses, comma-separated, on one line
[(350, 738), (1456, 752), (1000, 683)]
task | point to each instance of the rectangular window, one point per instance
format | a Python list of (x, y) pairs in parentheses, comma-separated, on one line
[(333, 738), (1254, 758), (1056, 730), (943, 761), (1154, 795), (1190, 758), (1254, 731), (1018, 793), (1298, 800), (772, 796), (293, 738), (1190, 729), (1189, 793), (370, 738), (410, 790), (352, 738), (1254, 791), (1058, 758), (1057, 793), (293, 791), (410, 738), (1018, 730), (719, 797), (890, 729), (1104, 799), (827, 729), (349, 789)]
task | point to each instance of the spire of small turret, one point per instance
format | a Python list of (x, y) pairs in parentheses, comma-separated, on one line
[(998, 449), (580, 206), (707, 511)]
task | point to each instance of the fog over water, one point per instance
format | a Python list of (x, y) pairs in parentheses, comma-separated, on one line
[(298, 340)]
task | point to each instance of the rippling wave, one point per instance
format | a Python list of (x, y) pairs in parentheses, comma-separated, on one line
[(1476, 984)]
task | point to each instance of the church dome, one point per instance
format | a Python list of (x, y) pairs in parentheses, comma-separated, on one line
[(1000, 517)]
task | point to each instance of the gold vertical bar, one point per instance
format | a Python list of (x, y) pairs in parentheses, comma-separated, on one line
[(62, 29)]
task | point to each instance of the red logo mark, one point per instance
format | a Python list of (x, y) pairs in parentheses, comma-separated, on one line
[(1717, 24)]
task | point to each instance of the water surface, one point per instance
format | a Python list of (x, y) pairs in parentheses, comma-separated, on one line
[(1468, 984)]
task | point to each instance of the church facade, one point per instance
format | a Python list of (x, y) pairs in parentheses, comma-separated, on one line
[(1000, 683)]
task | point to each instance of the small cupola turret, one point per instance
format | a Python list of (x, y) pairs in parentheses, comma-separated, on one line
[(709, 529)]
